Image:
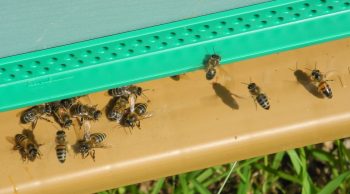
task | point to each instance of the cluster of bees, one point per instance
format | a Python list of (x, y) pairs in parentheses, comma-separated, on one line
[(123, 109), (72, 112), (317, 78)]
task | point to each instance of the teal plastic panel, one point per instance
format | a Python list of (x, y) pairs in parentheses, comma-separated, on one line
[(169, 49)]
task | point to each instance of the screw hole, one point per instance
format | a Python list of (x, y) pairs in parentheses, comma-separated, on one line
[(313, 11), (97, 58), (54, 59), (263, 22), (280, 18), (223, 23), (131, 51), (147, 47), (206, 26), (29, 72), (88, 51), (122, 45), (63, 65), (37, 62), (189, 30), (12, 76), (80, 61), (181, 40), (46, 68), (297, 15), (240, 19), (247, 26), (330, 7), (139, 41), (20, 66), (72, 55), (306, 5), (164, 43), (273, 12), (214, 33), (197, 36), (231, 29), (290, 8), (114, 54), (256, 15), (173, 34), (156, 37)]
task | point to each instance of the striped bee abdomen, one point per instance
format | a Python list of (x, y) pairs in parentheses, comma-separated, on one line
[(325, 89), (61, 152), (263, 101), (98, 137)]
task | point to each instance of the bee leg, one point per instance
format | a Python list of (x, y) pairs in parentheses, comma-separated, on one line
[(34, 123), (92, 154), (254, 100), (48, 120), (138, 124)]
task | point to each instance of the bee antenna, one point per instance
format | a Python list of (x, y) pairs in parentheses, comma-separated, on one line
[(309, 69), (144, 96), (214, 50), (244, 83)]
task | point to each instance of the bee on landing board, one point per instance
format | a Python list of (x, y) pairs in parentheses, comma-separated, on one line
[(117, 108), (85, 112), (212, 62), (34, 113), (87, 142), (128, 91), (61, 146), (26, 144), (323, 87), (258, 96), (134, 115)]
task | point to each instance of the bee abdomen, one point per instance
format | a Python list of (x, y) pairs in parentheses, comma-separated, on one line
[(98, 137), (140, 108), (263, 101), (210, 73), (61, 152), (116, 92), (20, 138), (325, 89)]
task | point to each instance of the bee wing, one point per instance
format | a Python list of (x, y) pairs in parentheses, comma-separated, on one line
[(11, 140), (132, 101), (86, 126), (79, 132), (102, 145), (85, 99), (146, 115)]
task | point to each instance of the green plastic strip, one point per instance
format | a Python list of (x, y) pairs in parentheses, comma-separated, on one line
[(169, 49)]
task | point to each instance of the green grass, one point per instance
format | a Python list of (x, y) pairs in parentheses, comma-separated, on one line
[(323, 169)]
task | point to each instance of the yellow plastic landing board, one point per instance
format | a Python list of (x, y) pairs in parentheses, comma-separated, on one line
[(195, 125)]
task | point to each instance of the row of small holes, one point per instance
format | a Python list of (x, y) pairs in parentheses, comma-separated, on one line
[(172, 35)]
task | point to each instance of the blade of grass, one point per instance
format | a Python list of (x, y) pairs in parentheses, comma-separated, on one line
[(277, 160), (227, 177), (294, 158), (308, 186), (183, 183), (121, 190), (323, 156), (199, 187), (278, 173), (158, 186), (205, 175), (244, 185), (334, 184)]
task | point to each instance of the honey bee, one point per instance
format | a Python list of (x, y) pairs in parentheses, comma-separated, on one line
[(61, 146), (132, 117), (32, 114), (213, 61), (85, 111), (323, 86), (258, 96), (62, 117), (68, 103), (26, 145), (117, 108), (127, 91)]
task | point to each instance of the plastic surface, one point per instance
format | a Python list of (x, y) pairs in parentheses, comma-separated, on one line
[(169, 49), (194, 125), (30, 26)]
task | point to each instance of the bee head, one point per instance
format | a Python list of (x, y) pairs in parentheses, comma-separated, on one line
[(216, 57), (139, 91), (60, 133), (316, 74), (97, 114), (68, 123), (32, 152), (84, 147)]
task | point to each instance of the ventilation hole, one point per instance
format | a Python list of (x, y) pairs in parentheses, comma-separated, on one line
[(139, 41), (280, 19), (97, 58), (80, 61), (105, 48), (147, 47), (231, 29), (330, 7), (296, 15), (164, 43), (88, 51), (29, 72), (290, 8), (263, 22), (54, 59), (20, 66), (71, 55), (323, 1), (239, 19), (197, 36), (46, 68), (273, 12), (114, 54), (156, 37), (313, 11), (63, 65), (131, 51), (346, 4), (206, 26), (122, 45), (247, 26), (37, 62), (12, 76), (172, 34), (256, 15), (3, 69), (306, 5), (223, 23), (189, 30), (181, 40), (214, 33)]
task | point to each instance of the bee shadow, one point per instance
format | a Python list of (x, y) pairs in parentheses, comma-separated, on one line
[(225, 95), (305, 80)]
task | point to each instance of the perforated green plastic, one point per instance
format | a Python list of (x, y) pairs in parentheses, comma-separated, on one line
[(169, 49)]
